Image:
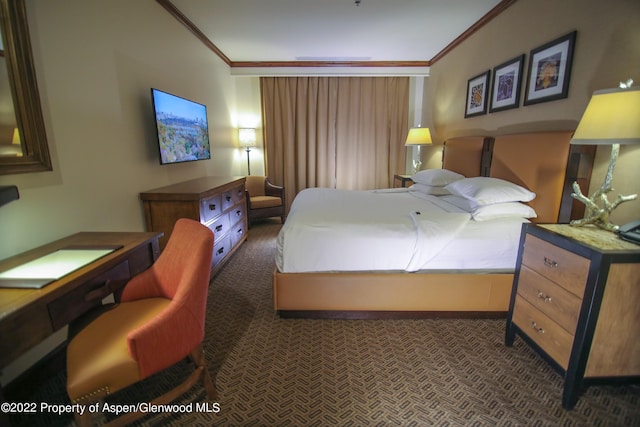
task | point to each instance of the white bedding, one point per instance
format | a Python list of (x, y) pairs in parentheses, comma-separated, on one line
[(330, 230)]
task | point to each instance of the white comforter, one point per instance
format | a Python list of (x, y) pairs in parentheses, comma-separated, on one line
[(346, 230)]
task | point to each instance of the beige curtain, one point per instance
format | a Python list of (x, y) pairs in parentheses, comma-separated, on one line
[(336, 132)]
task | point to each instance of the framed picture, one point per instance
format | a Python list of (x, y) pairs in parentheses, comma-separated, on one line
[(477, 92), (549, 70), (507, 79)]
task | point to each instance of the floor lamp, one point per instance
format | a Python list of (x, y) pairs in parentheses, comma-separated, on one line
[(247, 138), (417, 137), (611, 118)]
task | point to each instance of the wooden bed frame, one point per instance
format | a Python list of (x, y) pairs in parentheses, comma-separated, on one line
[(537, 161)]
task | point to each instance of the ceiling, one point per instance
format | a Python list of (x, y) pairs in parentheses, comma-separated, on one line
[(378, 32)]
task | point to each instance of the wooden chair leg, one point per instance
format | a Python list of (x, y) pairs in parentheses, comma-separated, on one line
[(197, 356)]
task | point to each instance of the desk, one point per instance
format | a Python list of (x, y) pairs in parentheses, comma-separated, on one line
[(28, 316)]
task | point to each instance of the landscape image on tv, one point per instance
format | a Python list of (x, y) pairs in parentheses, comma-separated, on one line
[(183, 134)]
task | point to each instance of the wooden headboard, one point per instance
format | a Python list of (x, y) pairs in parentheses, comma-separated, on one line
[(537, 161), (467, 155), (543, 162)]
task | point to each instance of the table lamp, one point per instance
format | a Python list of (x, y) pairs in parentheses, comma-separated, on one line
[(418, 137), (611, 118)]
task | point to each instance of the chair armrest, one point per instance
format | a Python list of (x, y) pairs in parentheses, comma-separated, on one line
[(273, 190), (248, 199)]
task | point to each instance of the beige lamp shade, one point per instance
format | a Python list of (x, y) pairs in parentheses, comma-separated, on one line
[(612, 117), (247, 137), (418, 136)]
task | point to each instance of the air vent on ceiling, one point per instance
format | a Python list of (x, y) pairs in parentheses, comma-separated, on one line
[(333, 58)]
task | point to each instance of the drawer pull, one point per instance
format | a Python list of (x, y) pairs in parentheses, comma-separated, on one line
[(238, 212), (550, 263), (218, 227), (535, 326), (228, 198), (220, 251), (544, 297), (212, 207)]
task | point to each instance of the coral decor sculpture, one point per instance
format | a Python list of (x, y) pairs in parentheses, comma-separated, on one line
[(594, 213)]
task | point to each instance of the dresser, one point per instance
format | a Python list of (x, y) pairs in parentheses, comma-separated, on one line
[(576, 301), (217, 202)]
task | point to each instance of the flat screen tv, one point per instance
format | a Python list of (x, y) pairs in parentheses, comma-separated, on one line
[(183, 132)]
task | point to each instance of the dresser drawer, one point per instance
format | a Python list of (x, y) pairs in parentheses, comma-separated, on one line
[(559, 304), (238, 194), (558, 265), (237, 214), (550, 336), (227, 200), (219, 226), (220, 250), (237, 233), (210, 208)]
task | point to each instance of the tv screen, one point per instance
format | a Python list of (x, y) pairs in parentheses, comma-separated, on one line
[(183, 132)]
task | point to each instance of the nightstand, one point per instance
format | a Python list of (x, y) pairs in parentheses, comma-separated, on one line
[(576, 301), (402, 180)]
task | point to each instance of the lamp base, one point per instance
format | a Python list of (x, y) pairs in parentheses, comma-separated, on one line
[(594, 213), (417, 159), (417, 164)]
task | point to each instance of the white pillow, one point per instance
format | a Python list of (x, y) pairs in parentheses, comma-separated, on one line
[(460, 202), (429, 189), (495, 210), (503, 210), (487, 190), (436, 177)]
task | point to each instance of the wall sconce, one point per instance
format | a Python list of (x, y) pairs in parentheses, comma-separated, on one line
[(247, 138), (418, 137), (611, 118)]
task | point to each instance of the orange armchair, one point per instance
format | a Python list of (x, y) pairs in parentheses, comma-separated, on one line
[(158, 322), (264, 199)]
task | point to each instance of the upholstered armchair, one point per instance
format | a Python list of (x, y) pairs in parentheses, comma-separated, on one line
[(158, 322), (264, 199)]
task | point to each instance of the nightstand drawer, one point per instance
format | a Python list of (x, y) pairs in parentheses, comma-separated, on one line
[(561, 266), (550, 336), (554, 301)]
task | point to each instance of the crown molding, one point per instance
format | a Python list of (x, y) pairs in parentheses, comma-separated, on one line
[(273, 68)]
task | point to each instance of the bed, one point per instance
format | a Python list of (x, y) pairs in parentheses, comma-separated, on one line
[(429, 283)]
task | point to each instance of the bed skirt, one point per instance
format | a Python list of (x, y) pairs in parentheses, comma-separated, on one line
[(391, 295)]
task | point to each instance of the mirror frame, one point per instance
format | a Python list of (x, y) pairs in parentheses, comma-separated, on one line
[(24, 90)]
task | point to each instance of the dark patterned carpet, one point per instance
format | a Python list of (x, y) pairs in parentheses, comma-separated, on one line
[(291, 372)]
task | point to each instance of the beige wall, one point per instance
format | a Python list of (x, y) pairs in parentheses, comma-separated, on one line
[(607, 51), (95, 63)]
